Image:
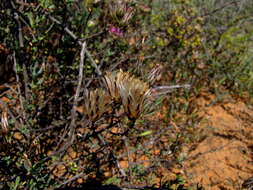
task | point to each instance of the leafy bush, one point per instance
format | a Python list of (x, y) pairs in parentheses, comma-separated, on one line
[(73, 112)]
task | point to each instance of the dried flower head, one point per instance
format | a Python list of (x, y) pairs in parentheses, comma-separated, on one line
[(122, 88), (110, 80), (121, 12), (96, 103), (132, 92)]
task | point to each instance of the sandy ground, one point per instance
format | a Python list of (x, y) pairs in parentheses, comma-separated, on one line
[(223, 158)]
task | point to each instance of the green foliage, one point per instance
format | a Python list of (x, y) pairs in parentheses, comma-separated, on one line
[(113, 180), (26, 174), (177, 184), (207, 45)]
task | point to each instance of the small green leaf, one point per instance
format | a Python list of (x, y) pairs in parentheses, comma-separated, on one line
[(17, 182), (146, 133), (31, 19), (113, 180)]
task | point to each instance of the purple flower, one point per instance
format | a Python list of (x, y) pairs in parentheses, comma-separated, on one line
[(115, 31)]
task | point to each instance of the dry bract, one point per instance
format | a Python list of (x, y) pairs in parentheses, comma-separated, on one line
[(122, 89), (96, 103), (132, 92), (110, 80), (4, 123)]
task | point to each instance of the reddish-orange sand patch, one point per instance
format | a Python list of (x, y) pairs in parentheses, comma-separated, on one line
[(223, 159)]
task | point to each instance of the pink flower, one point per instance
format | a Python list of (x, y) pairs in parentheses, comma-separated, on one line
[(115, 31)]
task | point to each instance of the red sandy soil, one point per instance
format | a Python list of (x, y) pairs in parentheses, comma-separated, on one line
[(223, 158)]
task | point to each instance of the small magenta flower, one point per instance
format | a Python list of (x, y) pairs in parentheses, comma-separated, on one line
[(115, 31)]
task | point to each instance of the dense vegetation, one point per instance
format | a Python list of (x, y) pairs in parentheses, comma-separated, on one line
[(90, 73)]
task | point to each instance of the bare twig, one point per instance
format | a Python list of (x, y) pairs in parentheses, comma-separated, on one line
[(93, 62), (19, 18), (160, 90), (19, 90), (115, 159), (26, 79), (93, 35), (20, 34), (28, 27), (68, 181), (128, 157), (78, 89), (80, 76), (219, 8), (172, 87), (77, 94), (66, 29)]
